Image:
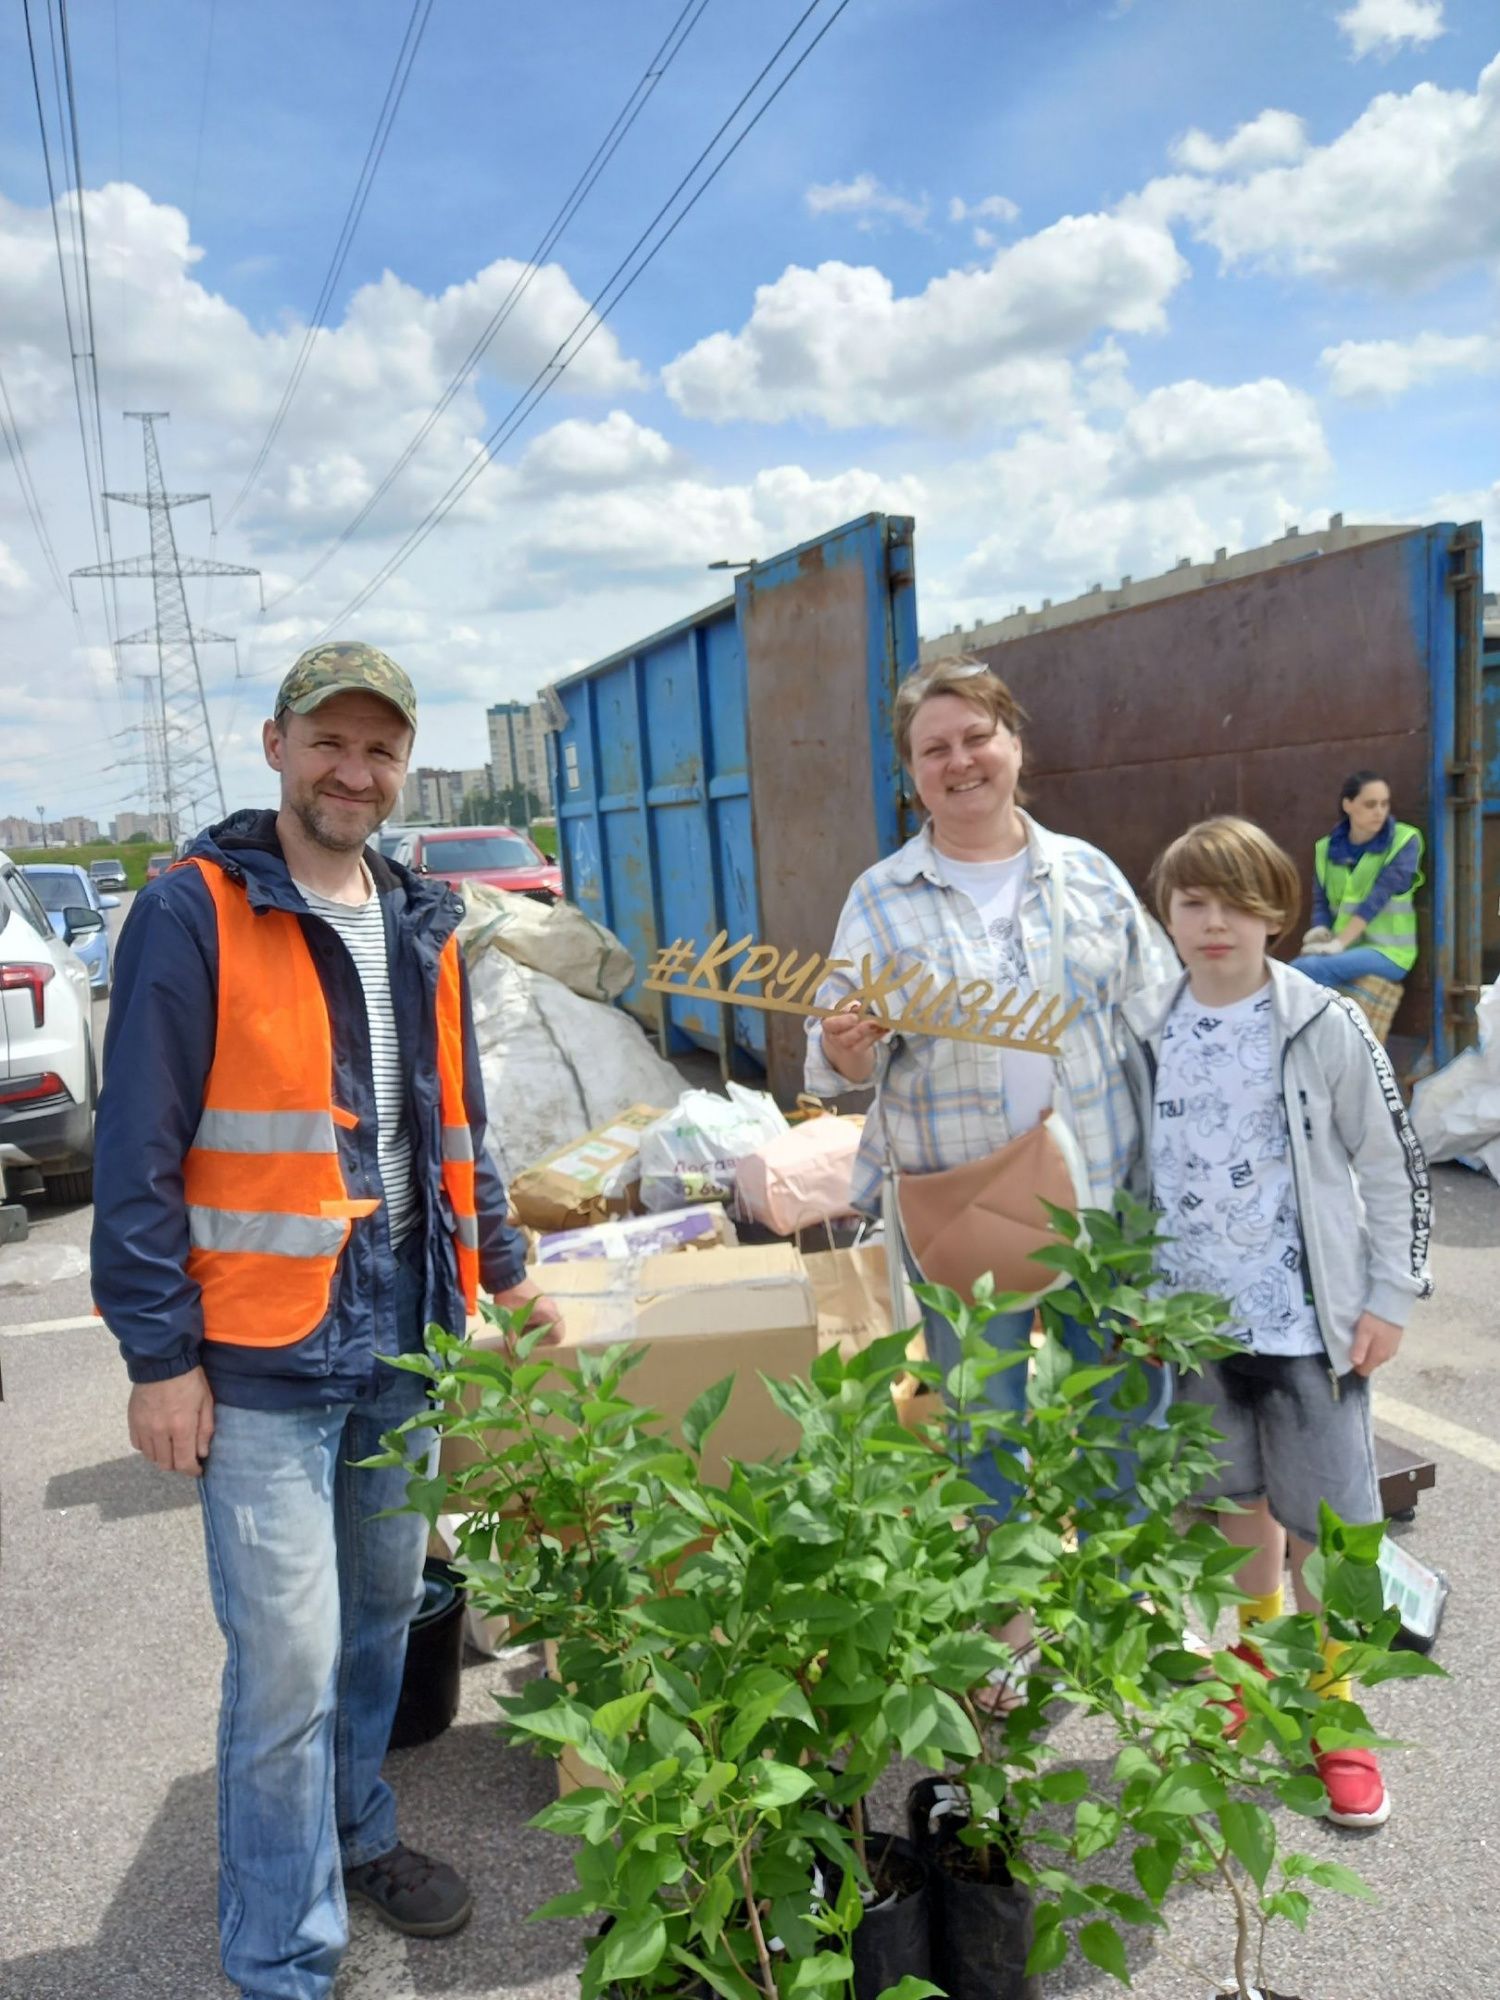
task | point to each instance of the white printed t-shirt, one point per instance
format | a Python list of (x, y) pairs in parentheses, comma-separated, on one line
[(362, 928), (1221, 1170), (995, 889)]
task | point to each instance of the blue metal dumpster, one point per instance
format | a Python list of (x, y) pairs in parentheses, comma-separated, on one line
[(737, 771)]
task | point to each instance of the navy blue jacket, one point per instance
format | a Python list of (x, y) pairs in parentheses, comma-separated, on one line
[(157, 1054)]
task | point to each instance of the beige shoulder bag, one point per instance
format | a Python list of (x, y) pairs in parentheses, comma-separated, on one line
[(987, 1214)]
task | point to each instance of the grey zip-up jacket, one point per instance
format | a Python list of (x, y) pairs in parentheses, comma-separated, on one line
[(1363, 1195)]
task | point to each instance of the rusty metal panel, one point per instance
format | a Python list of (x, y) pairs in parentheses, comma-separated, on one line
[(1255, 696)]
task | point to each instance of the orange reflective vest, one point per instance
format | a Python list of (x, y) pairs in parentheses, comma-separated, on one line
[(269, 1213)]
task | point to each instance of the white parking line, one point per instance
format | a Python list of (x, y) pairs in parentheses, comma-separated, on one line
[(1438, 1431), (75, 1325)]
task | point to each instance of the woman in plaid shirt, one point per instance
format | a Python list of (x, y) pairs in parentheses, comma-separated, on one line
[(972, 897)]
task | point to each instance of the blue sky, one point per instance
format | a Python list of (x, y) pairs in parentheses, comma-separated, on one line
[(1276, 297)]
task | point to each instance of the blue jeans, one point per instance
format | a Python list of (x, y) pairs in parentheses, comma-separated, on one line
[(1342, 968), (1005, 1392), (314, 1599)]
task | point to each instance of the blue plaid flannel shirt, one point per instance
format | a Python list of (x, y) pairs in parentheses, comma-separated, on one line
[(941, 1103)]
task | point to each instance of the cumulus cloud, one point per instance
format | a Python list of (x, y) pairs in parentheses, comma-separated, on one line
[(1383, 26), (836, 344), (1378, 371), (866, 200), (1264, 141), (1191, 433), (371, 378), (993, 208), (1404, 195)]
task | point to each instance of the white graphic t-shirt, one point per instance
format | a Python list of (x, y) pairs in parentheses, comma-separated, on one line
[(995, 889), (1222, 1173)]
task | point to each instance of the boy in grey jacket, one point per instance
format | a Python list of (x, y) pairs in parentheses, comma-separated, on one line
[(1290, 1183)]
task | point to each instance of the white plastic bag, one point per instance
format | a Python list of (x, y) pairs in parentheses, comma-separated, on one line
[(557, 938), (1456, 1112), (692, 1152)]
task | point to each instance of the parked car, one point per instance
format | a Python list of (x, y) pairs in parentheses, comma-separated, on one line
[(63, 889), (47, 1069), (155, 864), (108, 872), (497, 855)]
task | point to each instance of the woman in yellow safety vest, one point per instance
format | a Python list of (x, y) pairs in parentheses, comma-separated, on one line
[(1367, 872)]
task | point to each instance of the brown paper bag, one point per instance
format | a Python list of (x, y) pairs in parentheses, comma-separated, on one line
[(854, 1308)]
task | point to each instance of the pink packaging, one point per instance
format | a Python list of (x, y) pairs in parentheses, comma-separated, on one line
[(801, 1176)]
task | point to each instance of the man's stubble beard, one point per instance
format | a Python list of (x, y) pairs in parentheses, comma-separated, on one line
[(319, 830)]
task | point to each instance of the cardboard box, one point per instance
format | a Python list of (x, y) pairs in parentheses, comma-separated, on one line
[(742, 1311), (703, 1227), (574, 1772), (587, 1180)]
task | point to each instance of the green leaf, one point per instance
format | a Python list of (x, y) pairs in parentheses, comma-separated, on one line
[(576, 1903), (1051, 1946), (585, 1815), (1156, 1866), (1333, 1875), (633, 1946), (1189, 1789), (1288, 1903), (619, 1717), (681, 1617), (1063, 1787), (1250, 1836), (704, 1412), (1101, 1945), (821, 1968), (1303, 1793), (911, 1988), (778, 1785)]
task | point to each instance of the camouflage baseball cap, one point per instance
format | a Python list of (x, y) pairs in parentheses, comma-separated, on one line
[(345, 667)]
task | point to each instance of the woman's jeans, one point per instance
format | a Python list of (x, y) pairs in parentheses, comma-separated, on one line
[(1342, 968), (314, 1598), (1005, 1392)]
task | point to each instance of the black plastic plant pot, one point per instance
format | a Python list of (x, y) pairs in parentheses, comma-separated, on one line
[(434, 1656), (981, 1933), (895, 1934), (982, 1923)]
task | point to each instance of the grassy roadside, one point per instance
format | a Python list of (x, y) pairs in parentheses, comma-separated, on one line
[(132, 854), (546, 839)]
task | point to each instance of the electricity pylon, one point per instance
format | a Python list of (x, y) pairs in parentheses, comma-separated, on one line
[(189, 762)]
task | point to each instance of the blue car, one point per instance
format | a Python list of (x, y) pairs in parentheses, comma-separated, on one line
[(61, 886)]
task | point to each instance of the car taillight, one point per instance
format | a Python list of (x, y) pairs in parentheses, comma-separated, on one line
[(31, 977), (29, 1087)]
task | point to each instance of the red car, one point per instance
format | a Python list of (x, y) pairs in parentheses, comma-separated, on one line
[(497, 855)]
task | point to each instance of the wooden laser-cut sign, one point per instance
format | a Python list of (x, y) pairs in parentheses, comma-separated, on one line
[(958, 1010)]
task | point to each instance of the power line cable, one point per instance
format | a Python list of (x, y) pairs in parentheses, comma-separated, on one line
[(95, 500), (603, 153), (16, 450), (395, 90), (88, 293), (595, 314)]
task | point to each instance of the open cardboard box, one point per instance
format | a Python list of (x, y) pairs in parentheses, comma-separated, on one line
[(740, 1311)]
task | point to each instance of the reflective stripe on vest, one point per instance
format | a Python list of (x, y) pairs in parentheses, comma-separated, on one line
[(1392, 930), (457, 1138)]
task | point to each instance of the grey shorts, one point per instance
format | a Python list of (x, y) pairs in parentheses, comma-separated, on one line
[(1289, 1437)]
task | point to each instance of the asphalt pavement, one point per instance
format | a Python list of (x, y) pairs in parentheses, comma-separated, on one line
[(109, 1665)]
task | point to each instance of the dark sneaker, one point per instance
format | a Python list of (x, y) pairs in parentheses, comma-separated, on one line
[(411, 1893)]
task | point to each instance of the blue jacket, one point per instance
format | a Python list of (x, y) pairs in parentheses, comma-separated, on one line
[(157, 1053)]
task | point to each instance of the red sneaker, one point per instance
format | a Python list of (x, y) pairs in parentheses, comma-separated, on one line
[(1234, 1708), (1356, 1791)]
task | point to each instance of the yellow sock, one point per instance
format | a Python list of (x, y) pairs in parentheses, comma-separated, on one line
[(1261, 1610), (1333, 1684)]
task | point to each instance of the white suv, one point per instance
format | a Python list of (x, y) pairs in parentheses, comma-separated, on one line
[(47, 1071)]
